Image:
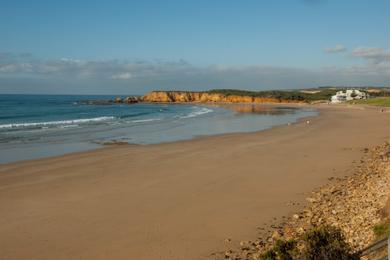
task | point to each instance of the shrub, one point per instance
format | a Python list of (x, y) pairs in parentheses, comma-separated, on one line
[(327, 243), (380, 230), (283, 250), (286, 249), (269, 255)]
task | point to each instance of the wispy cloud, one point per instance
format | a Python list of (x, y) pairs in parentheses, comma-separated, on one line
[(122, 76), (28, 74), (376, 55), (336, 49), (108, 69)]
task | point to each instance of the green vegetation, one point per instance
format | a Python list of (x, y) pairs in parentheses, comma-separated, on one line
[(326, 242), (323, 242), (379, 96), (284, 250), (378, 101), (296, 95), (381, 230), (383, 92)]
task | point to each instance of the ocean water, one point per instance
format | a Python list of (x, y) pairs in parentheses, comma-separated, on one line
[(36, 126)]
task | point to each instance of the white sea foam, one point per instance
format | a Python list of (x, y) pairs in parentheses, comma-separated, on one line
[(68, 126), (54, 123), (146, 120), (202, 111)]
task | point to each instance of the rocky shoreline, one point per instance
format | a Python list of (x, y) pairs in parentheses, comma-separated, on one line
[(187, 96), (354, 204), (117, 100)]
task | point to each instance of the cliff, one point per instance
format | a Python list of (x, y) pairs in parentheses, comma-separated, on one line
[(205, 97)]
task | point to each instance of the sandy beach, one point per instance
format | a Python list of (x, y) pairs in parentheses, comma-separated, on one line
[(178, 200)]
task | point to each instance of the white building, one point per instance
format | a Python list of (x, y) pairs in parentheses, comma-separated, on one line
[(347, 95)]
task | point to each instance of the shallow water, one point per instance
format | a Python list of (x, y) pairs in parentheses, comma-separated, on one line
[(35, 126)]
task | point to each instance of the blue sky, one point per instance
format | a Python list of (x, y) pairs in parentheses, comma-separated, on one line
[(136, 46)]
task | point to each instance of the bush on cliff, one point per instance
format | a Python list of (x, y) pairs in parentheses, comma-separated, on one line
[(382, 230), (328, 243), (319, 243), (284, 250), (289, 95)]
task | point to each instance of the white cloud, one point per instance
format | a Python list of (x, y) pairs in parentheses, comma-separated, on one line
[(24, 73), (122, 76), (15, 67), (336, 49), (373, 54)]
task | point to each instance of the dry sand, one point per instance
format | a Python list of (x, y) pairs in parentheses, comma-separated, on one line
[(177, 200)]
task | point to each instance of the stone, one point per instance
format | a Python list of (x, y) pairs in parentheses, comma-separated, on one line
[(118, 100), (131, 100)]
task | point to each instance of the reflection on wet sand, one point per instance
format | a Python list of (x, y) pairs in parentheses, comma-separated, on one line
[(260, 109)]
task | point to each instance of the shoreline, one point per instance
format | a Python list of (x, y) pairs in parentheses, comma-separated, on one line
[(85, 146), (177, 200)]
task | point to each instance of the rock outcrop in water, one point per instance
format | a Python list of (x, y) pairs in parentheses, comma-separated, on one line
[(128, 100), (205, 97), (117, 100)]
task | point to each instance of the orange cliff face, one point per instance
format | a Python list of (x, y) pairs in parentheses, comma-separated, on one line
[(181, 96), (204, 97), (172, 96)]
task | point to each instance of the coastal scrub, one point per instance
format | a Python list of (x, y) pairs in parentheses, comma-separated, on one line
[(381, 230)]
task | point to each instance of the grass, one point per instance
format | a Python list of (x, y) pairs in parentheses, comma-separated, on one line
[(378, 101), (293, 95), (381, 230)]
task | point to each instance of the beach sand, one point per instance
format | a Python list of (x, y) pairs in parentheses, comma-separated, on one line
[(177, 200)]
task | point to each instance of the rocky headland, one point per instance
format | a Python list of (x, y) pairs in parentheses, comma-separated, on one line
[(235, 96), (354, 204), (205, 97), (196, 97)]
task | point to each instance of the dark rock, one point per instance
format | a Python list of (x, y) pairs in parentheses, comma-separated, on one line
[(118, 100), (131, 100)]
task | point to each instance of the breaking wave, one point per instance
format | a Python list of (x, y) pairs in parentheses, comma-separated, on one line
[(146, 120), (55, 123), (202, 111)]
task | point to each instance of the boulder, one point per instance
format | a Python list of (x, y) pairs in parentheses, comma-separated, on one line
[(131, 100), (118, 100)]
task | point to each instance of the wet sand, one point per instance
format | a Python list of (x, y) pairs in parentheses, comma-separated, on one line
[(176, 200)]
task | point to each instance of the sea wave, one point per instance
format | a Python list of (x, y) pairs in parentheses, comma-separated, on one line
[(145, 120), (202, 111), (136, 114), (55, 123)]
